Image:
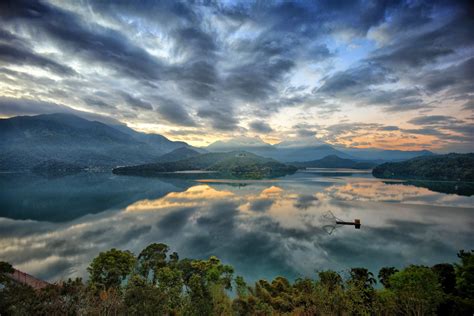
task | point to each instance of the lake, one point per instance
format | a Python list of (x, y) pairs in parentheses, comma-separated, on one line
[(53, 227)]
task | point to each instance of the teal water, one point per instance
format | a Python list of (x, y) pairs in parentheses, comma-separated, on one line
[(53, 227)]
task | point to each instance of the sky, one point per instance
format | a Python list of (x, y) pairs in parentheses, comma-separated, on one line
[(384, 74)]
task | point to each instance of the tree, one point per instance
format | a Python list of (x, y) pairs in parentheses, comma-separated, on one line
[(465, 274), (142, 298), (330, 279), (417, 290), (446, 277), (151, 259), (5, 269), (111, 268), (361, 292), (170, 284), (330, 296), (384, 275)]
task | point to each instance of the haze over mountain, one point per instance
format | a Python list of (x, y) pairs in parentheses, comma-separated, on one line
[(307, 149), (27, 141)]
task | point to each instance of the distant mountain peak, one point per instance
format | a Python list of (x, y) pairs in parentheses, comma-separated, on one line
[(241, 141), (302, 142)]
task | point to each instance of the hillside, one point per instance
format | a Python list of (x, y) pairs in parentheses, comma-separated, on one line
[(178, 154), (333, 161), (453, 167), (236, 163), (384, 154), (26, 141)]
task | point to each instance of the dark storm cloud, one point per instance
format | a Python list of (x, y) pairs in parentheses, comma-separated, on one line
[(22, 56), (197, 41), (232, 62), (394, 100), (175, 113), (433, 120), (93, 101), (104, 46), (444, 127), (355, 80), (260, 127), (199, 78), (456, 79), (136, 102), (427, 47), (256, 80), (357, 84), (389, 128), (220, 119)]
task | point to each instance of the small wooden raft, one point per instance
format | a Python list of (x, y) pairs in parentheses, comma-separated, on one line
[(355, 223)]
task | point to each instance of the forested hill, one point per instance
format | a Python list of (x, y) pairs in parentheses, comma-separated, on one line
[(453, 167), (235, 163), (333, 161), (28, 142)]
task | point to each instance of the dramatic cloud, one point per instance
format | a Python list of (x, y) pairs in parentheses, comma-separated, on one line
[(260, 127), (220, 68)]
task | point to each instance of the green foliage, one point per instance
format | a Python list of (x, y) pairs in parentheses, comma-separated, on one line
[(454, 167), (5, 268), (151, 259), (158, 284), (465, 274), (111, 268), (235, 164), (446, 276), (361, 293), (142, 298), (384, 275), (417, 289)]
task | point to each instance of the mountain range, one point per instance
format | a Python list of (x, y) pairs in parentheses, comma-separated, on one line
[(29, 141), (308, 149)]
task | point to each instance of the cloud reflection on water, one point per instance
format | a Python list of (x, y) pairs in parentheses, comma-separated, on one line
[(262, 228)]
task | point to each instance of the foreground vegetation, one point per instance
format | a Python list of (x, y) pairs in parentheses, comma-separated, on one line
[(450, 167), (155, 283)]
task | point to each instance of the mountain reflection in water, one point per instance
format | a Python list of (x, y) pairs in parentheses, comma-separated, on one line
[(52, 228)]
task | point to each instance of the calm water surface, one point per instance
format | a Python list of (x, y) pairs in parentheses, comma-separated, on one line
[(52, 228)]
